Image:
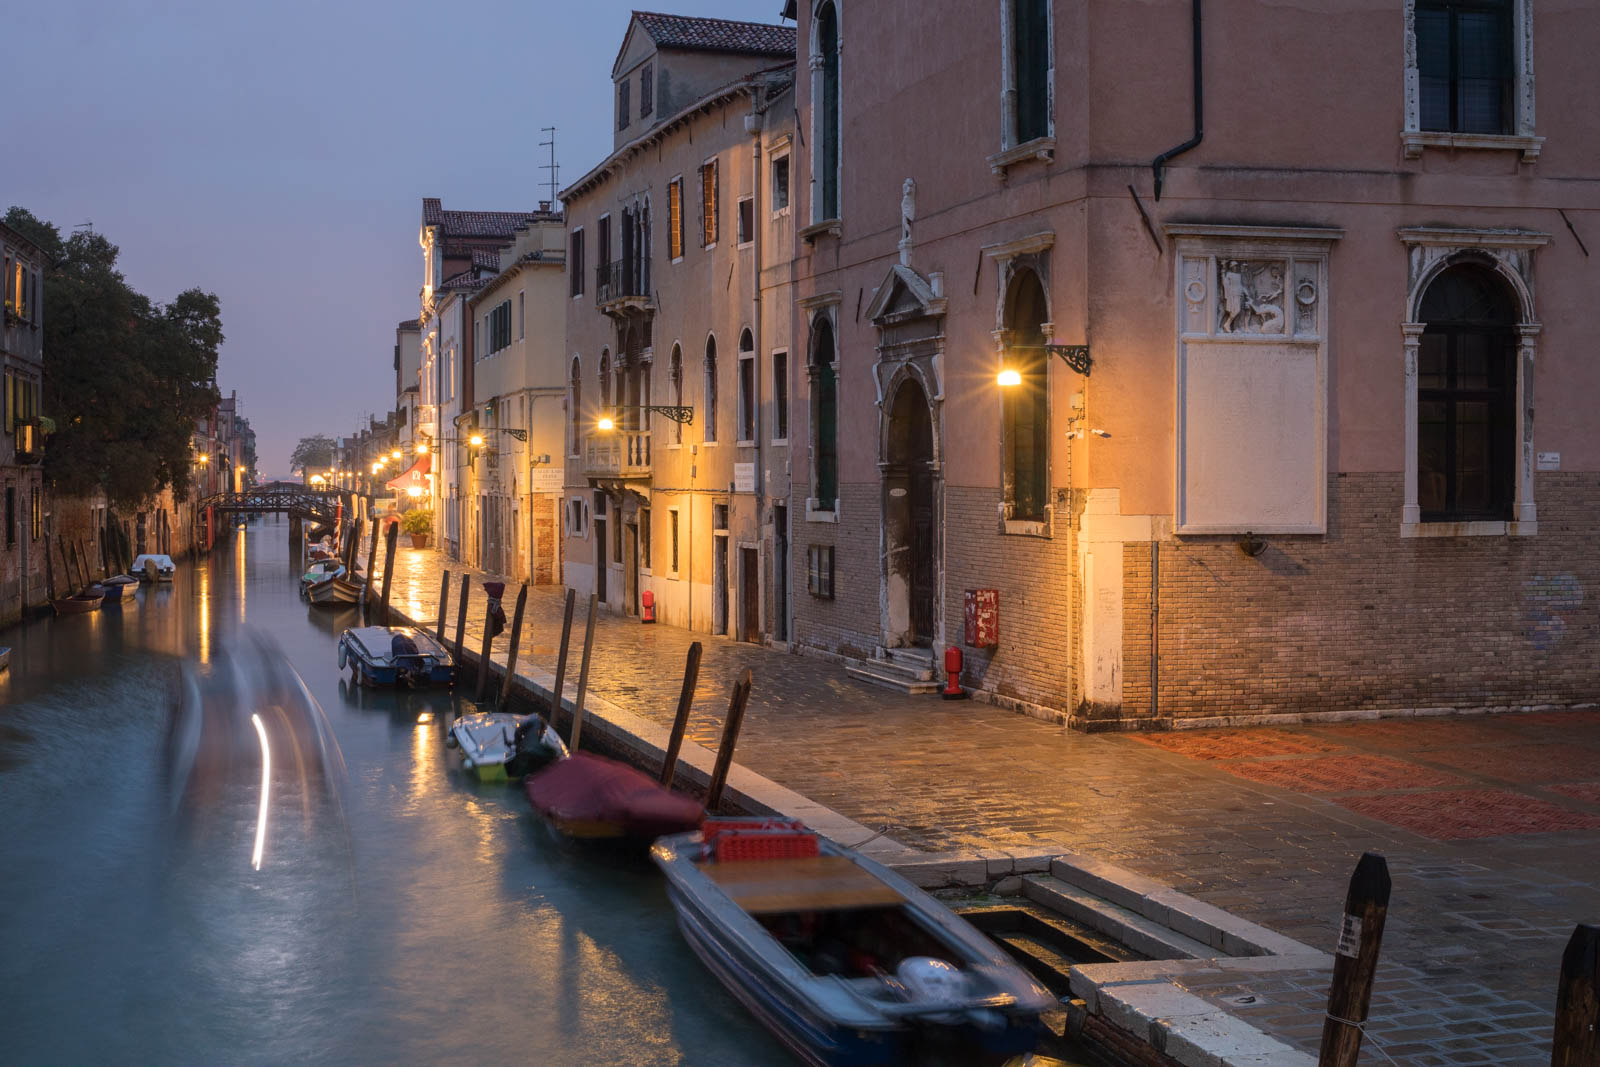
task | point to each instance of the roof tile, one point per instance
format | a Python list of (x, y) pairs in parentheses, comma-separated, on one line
[(717, 35)]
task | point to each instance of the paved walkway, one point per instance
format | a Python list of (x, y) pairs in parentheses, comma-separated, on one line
[(1491, 825)]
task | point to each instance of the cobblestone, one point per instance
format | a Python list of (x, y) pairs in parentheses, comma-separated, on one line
[(1476, 926)]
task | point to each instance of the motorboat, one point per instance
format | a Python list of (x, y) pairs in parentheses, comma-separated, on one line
[(590, 796), (119, 588), (496, 746), (323, 570), (395, 655), (841, 958), (163, 566)]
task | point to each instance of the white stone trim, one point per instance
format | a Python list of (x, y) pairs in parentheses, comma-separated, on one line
[(1430, 251), (1524, 140), (1034, 242)]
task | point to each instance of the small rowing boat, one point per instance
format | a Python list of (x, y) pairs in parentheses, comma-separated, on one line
[(590, 796)]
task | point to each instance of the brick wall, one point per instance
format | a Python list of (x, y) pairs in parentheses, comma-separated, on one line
[(1363, 619), (850, 623)]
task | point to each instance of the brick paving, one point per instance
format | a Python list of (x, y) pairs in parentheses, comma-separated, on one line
[(1476, 925)]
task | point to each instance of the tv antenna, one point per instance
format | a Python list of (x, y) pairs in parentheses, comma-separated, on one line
[(86, 225), (553, 167)]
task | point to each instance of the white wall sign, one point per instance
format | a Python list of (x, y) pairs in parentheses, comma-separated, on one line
[(744, 477), (1549, 461), (546, 479)]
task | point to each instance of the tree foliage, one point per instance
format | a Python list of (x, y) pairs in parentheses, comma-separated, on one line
[(126, 378), (312, 454)]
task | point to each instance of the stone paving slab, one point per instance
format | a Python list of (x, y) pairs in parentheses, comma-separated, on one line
[(1476, 925)]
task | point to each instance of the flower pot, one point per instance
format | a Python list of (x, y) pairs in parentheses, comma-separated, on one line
[(419, 540)]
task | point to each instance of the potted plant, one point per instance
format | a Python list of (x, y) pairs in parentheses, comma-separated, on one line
[(418, 522)]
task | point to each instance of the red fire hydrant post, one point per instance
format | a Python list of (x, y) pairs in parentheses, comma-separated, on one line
[(952, 666), (647, 607)]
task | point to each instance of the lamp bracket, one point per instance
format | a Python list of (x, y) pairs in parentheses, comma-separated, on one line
[(681, 415), (1075, 356)]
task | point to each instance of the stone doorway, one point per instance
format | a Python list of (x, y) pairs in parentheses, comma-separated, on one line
[(910, 529)]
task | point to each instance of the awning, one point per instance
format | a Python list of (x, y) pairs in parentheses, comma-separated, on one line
[(417, 476)]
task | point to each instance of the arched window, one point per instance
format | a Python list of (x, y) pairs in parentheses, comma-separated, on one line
[(747, 386), (605, 381), (1466, 397), (1026, 413), (825, 93), (711, 389), (676, 372), (824, 417), (577, 406)]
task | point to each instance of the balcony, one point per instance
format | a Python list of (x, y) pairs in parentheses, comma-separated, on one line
[(622, 287), (617, 455)]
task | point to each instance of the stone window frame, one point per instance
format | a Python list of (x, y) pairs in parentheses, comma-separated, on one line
[(820, 221), (1012, 151), (1430, 251), (823, 305), (1524, 140), (1032, 253), (747, 403)]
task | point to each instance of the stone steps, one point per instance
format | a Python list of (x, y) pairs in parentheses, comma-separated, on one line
[(891, 674)]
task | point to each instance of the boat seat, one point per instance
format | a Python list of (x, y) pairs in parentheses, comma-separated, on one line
[(811, 883)]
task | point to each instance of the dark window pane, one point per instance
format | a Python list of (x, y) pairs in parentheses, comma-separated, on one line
[(1473, 459), (1431, 365), (1432, 455), (1435, 103), (828, 164), (1031, 55), (1472, 360), (1433, 44)]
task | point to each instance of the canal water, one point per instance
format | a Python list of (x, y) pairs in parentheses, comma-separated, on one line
[(400, 913)]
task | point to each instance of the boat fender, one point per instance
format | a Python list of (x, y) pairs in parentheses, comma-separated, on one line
[(343, 655)]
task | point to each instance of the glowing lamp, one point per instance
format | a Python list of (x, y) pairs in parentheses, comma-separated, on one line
[(422, 448), (605, 424), (414, 491), (396, 453), (1009, 377), (316, 479), (204, 458), (476, 440)]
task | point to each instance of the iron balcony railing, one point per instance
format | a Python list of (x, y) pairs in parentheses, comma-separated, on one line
[(621, 280), (617, 454)]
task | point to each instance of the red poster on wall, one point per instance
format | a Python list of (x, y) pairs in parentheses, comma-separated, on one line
[(983, 618)]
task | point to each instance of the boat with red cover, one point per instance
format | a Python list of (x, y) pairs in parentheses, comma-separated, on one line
[(590, 796)]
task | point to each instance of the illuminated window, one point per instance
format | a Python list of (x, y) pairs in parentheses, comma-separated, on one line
[(710, 186), (675, 219)]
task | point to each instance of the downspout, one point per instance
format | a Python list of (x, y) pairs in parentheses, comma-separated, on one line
[(755, 123), (1199, 112)]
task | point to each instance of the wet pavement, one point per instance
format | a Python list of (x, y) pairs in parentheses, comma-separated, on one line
[(1491, 825)]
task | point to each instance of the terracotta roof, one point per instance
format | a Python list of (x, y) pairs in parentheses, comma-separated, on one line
[(487, 258), (501, 224), (467, 280), (717, 35)]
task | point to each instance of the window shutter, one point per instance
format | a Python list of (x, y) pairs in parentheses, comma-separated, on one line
[(703, 211), (716, 194)]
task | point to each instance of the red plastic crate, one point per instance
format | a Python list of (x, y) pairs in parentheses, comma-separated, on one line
[(765, 845), (714, 828)]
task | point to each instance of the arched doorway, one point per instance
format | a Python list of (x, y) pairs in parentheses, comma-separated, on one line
[(909, 527)]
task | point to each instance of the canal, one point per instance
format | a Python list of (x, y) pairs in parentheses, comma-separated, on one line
[(405, 915)]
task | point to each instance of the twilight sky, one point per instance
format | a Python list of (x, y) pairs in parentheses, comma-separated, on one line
[(277, 154)]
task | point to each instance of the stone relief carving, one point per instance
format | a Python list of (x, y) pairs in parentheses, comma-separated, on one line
[(1251, 296)]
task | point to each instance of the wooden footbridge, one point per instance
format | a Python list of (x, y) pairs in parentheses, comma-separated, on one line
[(320, 506)]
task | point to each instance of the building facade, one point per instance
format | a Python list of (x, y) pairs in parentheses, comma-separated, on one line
[(22, 561), (1220, 421), (677, 335)]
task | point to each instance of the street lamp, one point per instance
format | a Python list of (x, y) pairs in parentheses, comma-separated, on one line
[(397, 453), (683, 415), (316, 479)]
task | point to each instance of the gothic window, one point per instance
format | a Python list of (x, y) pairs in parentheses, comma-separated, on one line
[(677, 393), (1465, 65), (826, 162), (747, 387), (1466, 396), (1026, 415), (711, 390), (1028, 28), (825, 417)]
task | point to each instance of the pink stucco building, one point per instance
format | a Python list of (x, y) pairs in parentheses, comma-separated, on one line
[(1271, 448)]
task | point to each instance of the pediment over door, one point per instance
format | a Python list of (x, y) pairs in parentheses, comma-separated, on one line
[(908, 311)]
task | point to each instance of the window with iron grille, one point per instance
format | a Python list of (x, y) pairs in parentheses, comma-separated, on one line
[(1465, 65), (819, 571)]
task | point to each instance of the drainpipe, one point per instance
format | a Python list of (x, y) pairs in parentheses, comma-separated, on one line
[(1199, 112), (754, 122)]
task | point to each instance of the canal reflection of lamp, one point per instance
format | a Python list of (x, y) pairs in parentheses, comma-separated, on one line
[(266, 785)]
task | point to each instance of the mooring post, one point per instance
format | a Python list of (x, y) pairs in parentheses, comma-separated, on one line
[(680, 721), (372, 563), (1577, 1035), (561, 657), (583, 675), (730, 737), (511, 653), (483, 655), (389, 541), (444, 600), (1355, 962), (461, 620)]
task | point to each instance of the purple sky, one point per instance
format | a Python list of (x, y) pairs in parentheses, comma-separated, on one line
[(277, 154)]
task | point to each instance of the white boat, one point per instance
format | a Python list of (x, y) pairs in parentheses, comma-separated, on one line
[(395, 655), (322, 570), (496, 746), (163, 566), (120, 588)]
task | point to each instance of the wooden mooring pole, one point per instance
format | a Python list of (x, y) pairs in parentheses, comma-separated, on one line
[(483, 653), (390, 540), (444, 601), (1577, 1034), (511, 653), (372, 562), (730, 737), (583, 675), (461, 620), (680, 721), (561, 657), (1355, 962)]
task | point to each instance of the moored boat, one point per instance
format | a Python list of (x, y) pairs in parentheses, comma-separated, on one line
[(497, 745), (395, 655), (590, 796), (81, 604), (162, 571), (841, 958), (321, 571), (119, 588)]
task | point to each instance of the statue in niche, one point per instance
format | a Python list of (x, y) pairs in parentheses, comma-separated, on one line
[(1252, 297), (908, 211)]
